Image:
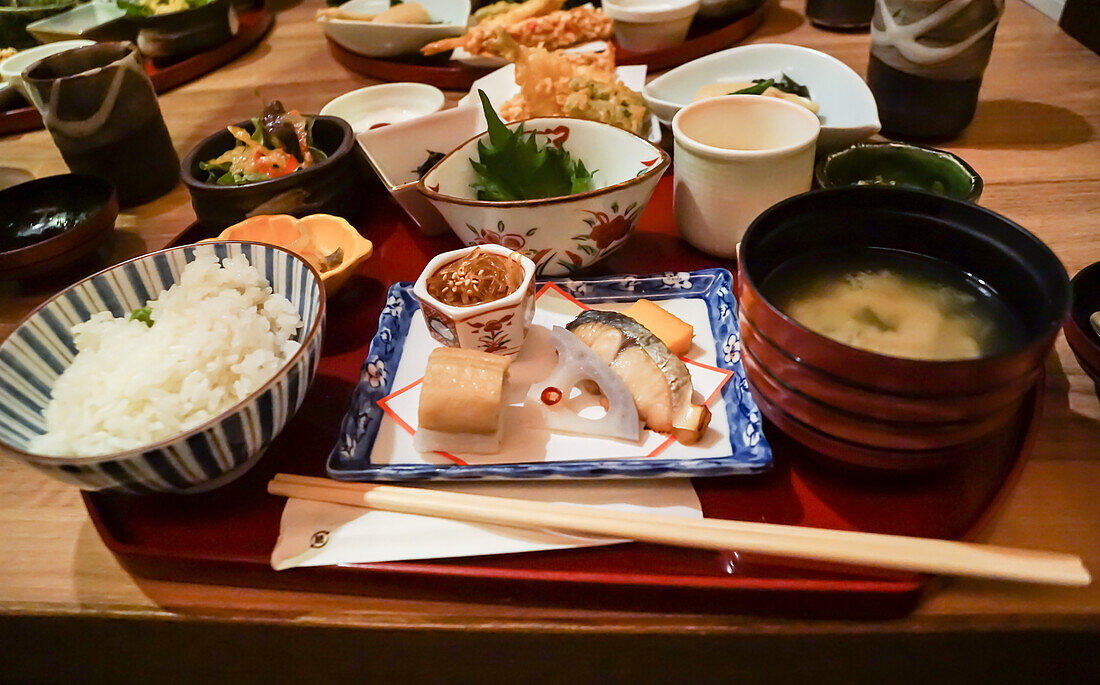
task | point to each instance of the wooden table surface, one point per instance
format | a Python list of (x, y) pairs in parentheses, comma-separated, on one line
[(1035, 140)]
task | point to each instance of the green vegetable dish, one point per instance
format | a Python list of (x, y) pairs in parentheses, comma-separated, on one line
[(512, 166), (280, 143), (149, 8)]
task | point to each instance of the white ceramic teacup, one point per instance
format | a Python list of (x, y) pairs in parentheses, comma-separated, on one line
[(646, 25), (736, 156)]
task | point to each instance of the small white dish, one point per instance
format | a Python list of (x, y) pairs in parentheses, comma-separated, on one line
[(11, 69), (847, 109), (389, 40), (387, 103), (647, 25), (500, 85), (95, 19), (396, 151)]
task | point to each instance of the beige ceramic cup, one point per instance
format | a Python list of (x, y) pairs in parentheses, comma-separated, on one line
[(735, 156)]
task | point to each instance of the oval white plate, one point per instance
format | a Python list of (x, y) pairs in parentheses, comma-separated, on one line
[(389, 40), (501, 85), (848, 111)]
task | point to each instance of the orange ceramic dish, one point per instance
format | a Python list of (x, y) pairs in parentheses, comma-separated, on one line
[(330, 244)]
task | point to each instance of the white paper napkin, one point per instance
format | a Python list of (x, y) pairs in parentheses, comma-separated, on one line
[(322, 534)]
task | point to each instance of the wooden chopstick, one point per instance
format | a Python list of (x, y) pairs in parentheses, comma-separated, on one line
[(946, 557)]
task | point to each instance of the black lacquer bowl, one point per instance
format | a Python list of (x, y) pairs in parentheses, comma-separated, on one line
[(328, 187), (1082, 339), (51, 223)]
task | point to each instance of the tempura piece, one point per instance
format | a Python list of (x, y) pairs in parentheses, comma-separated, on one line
[(580, 85), (504, 13), (555, 30)]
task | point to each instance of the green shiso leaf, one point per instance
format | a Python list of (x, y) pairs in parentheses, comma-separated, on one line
[(512, 166)]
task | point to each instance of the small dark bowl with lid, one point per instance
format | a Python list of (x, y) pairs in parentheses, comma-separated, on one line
[(901, 165), (327, 187), (51, 223), (893, 413)]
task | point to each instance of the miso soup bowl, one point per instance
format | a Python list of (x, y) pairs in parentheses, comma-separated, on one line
[(877, 411), (562, 235)]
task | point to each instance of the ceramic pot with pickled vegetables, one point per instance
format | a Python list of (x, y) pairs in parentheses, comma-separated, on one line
[(280, 162), (177, 28)]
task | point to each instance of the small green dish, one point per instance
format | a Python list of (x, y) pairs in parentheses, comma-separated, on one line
[(901, 165)]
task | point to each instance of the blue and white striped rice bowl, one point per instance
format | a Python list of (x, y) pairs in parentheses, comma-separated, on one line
[(204, 457)]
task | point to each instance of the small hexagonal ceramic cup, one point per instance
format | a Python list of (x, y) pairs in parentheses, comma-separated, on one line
[(499, 327)]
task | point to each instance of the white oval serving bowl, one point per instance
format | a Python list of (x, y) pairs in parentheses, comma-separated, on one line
[(389, 40), (646, 25), (386, 103), (847, 109), (562, 235), (11, 69)]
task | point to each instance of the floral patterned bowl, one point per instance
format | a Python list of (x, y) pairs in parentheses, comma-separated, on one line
[(562, 235), (498, 327)]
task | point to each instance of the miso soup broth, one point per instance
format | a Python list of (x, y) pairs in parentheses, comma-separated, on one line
[(894, 303)]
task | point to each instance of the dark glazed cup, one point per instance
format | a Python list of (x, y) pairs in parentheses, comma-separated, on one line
[(328, 187), (99, 106)]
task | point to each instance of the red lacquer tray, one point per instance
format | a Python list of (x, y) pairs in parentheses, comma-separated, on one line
[(168, 74), (226, 536), (706, 36)]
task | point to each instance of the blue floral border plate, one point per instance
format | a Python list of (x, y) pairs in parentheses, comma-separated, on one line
[(750, 453)]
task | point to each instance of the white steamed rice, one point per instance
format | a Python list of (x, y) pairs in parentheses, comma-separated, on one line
[(218, 335)]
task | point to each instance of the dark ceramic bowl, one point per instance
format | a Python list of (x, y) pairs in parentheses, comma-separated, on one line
[(51, 223), (328, 187), (183, 33), (873, 410), (1082, 339), (901, 165), (14, 20)]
